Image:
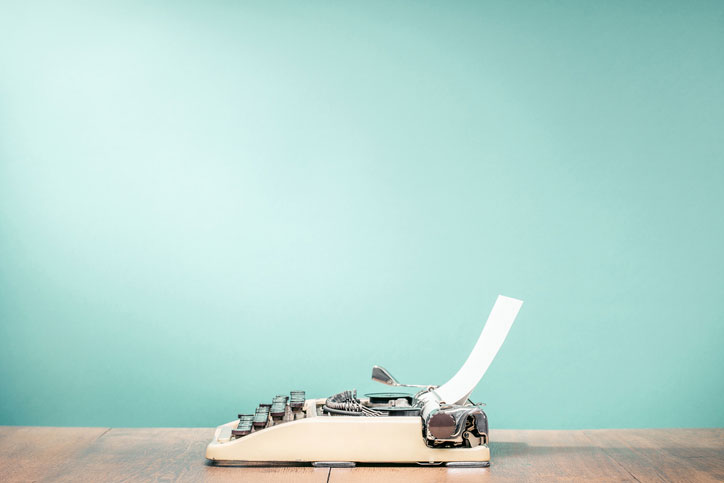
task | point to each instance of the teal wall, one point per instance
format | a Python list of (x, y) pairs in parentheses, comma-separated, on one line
[(205, 204)]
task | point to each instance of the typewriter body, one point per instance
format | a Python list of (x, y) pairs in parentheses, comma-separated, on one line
[(435, 425)]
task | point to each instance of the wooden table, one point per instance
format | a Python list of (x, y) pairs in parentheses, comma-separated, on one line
[(105, 454)]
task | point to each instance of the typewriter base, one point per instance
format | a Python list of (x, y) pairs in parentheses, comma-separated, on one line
[(339, 439)]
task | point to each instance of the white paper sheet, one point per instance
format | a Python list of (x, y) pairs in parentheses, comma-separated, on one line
[(500, 320)]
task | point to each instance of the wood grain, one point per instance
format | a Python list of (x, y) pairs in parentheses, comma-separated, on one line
[(101, 454), (652, 455), (550, 455), (163, 454), (31, 453), (516, 456)]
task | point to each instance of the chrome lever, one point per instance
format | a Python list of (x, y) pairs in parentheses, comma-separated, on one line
[(380, 374)]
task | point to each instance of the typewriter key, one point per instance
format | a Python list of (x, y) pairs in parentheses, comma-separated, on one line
[(261, 417), (297, 400), (244, 427), (277, 410)]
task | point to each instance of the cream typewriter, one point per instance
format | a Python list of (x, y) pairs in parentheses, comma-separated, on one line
[(438, 424)]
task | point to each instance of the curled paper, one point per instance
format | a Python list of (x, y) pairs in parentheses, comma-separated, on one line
[(458, 389)]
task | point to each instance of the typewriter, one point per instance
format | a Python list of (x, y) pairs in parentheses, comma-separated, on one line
[(436, 425)]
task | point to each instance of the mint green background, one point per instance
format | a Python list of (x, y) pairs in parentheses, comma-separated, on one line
[(205, 204)]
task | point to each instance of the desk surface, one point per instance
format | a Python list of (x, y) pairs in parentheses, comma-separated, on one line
[(117, 454)]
